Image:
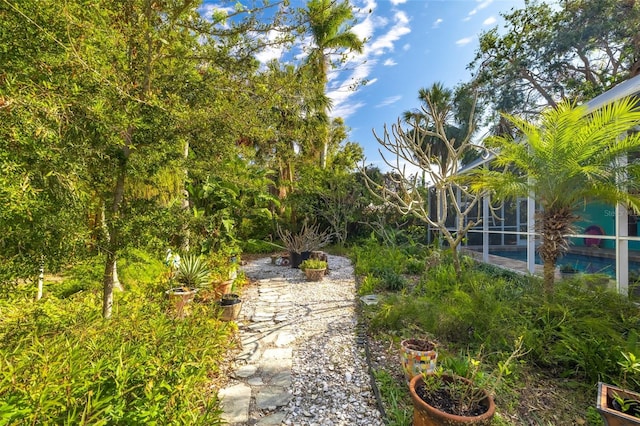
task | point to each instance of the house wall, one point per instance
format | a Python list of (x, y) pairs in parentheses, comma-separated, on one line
[(602, 215)]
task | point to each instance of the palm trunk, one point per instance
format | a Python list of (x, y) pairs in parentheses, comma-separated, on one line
[(549, 276), (556, 223)]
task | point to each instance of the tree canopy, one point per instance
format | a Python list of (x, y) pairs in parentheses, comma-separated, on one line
[(549, 52)]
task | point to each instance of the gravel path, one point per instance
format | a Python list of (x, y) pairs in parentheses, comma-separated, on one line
[(302, 361)]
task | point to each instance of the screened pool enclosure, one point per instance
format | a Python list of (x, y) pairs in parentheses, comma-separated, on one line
[(607, 239)]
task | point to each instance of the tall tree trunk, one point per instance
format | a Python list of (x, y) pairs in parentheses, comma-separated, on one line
[(40, 279), (114, 232), (185, 201), (117, 285)]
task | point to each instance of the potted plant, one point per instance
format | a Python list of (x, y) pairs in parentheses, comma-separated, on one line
[(230, 305), (192, 273), (436, 395), (446, 398), (619, 406), (314, 269), (417, 356), (301, 244), (568, 271), (223, 272)]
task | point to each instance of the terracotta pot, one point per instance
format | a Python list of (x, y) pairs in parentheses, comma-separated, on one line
[(605, 405), (415, 360), (180, 300), (314, 274), (426, 415), (222, 288)]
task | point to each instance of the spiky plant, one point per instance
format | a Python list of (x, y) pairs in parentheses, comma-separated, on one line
[(193, 272)]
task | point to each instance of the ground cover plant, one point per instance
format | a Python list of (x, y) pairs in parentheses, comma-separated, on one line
[(571, 339), (62, 363)]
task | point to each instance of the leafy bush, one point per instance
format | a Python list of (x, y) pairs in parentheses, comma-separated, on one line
[(390, 280), (373, 256), (61, 363), (368, 285), (579, 332)]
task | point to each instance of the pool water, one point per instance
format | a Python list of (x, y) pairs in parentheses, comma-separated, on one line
[(582, 263)]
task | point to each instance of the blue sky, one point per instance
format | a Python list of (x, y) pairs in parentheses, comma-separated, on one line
[(411, 44)]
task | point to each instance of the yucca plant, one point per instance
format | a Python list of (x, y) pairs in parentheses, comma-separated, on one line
[(193, 272)]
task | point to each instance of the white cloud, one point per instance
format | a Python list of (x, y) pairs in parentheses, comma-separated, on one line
[(382, 34), (389, 101), (271, 51), (437, 23), (489, 21), (464, 41), (397, 2), (386, 42), (483, 4), (406, 47), (389, 62)]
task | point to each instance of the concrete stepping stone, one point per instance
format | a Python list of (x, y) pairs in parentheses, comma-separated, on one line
[(281, 379), (272, 397), (274, 419), (284, 338), (235, 403), (246, 371)]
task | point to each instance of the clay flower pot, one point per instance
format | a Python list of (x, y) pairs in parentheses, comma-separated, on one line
[(427, 415), (180, 299)]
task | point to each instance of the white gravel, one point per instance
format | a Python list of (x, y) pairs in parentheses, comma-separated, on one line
[(330, 380)]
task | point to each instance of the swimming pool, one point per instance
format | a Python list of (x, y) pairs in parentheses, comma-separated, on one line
[(582, 263)]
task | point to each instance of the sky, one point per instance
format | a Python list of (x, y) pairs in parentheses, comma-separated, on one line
[(410, 44)]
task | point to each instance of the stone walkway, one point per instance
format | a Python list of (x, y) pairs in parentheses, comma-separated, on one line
[(276, 333), (264, 365)]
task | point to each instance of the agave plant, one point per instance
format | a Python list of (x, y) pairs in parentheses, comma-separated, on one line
[(193, 272)]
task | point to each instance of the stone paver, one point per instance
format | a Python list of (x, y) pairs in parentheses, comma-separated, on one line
[(235, 401), (265, 361), (273, 327)]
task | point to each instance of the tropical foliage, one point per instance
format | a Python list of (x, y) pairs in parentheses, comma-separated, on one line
[(569, 157)]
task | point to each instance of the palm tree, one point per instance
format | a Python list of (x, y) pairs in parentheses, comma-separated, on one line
[(330, 25), (567, 159), (457, 110)]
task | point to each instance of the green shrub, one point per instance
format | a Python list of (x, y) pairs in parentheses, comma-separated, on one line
[(415, 266), (313, 264), (389, 279), (62, 363), (373, 256), (578, 332), (368, 285)]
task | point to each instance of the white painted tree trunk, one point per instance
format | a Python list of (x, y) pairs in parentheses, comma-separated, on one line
[(40, 280)]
